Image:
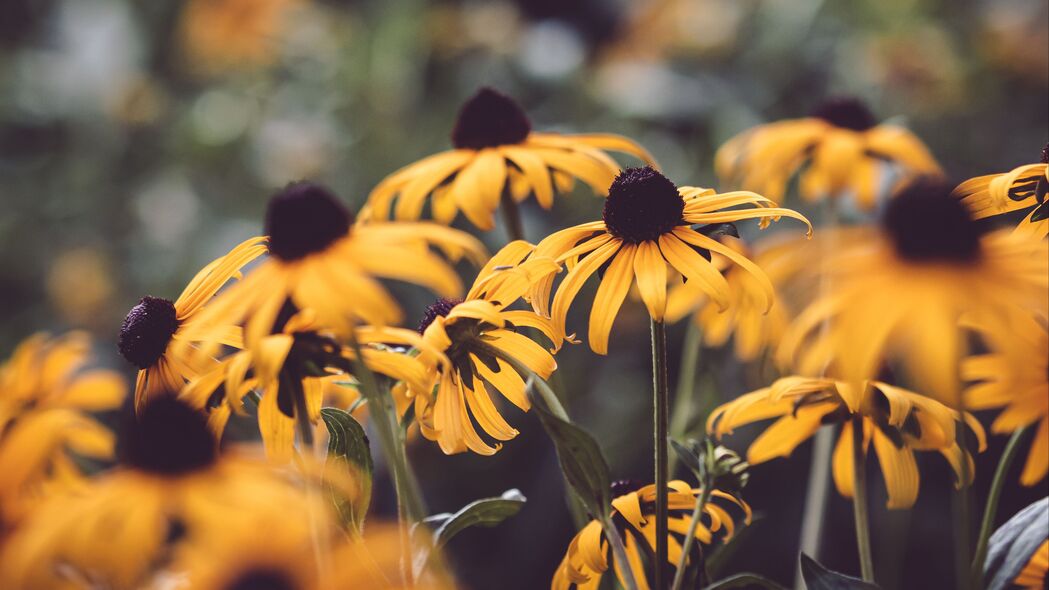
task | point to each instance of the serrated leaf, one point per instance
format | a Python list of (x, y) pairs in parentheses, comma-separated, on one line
[(744, 581), (487, 512), (818, 577), (1011, 546), (582, 462), (348, 449)]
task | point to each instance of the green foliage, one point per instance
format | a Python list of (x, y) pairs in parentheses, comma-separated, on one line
[(348, 449)]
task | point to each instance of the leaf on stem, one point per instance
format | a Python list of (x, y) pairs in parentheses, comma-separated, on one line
[(818, 577), (348, 449)]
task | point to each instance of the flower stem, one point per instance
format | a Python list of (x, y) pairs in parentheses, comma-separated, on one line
[(690, 536), (619, 552), (302, 416), (1000, 473), (963, 511), (815, 497), (684, 393), (661, 404), (511, 217), (859, 500)]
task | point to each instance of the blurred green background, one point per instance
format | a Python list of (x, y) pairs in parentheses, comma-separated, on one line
[(139, 140)]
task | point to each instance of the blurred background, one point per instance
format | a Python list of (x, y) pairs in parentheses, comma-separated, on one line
[(139, 140)]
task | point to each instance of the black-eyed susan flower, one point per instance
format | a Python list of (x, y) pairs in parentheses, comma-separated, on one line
[(46, 388), (217, 35), (840, 149), (319, 260), (645, 233), (1021, 189), (896, 421), (473, 345), (1014, 376), (172, 486), (633, 510), (496, 151), (898, 294), (153, 328), (746, 320)]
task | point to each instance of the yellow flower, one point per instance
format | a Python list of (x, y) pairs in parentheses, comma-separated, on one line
[(746, 319), (45, 389), (898, 294), (1022, 189), (474, 342), (173, 488), (840, 149), (496, 150), (1013, 376), (283, 366), (897, 421), (154, 327), (320, 261), (633, 511), (218, 35), (646, 231), (1033, 575)]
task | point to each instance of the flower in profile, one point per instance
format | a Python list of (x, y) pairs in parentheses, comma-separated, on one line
[(1021, 189), (633, 514), (152, 328), (1014, 376), (839, 149), (746, 320), (496, 151), (319, 260), (1033, 574), (645, 233), (897, 422), (1018, 552), (899, 293), (474, 350), (45, 389), (218, 35)]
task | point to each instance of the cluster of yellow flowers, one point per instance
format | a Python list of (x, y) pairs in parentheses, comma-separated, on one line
[(297, 329)]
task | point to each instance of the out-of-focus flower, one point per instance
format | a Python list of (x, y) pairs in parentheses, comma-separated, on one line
[(659, 30), (898, 294), (219, 35), (496, 151), (154, 327), (1021, 189), (646, 230), (319, 260), (1018, 552), (897, 421), (45, 388), (1033, 575), (1014, 376), (633, 514), (839, 150), (1014, 37), (473, 342), (753, 327), (80, 285)]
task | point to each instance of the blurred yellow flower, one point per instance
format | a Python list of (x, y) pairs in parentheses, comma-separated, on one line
[(840, 149), (897, 421), (219, 35), (1033, 575), (1022, 189), (646, 231), (497, 156), (80, 286), (633, 510), (45, 389)]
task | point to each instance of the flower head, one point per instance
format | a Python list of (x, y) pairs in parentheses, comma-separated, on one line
[(1022, 189)]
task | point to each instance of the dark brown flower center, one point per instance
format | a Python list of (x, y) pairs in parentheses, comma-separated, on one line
[(622, 487), (490, 118), (642, 205), (167, 438), (146, 331), (927, 225), (303, 219), (847, 113), (1045, 154), (263, 578), (440, 308)]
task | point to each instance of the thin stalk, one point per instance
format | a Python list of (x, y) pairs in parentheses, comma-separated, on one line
[(690, 536), (963, 508), (1000, 473), (815, 497), (619, 553), (859, 500), (661, 403), (511, 217), (305, 428), (684, 393)]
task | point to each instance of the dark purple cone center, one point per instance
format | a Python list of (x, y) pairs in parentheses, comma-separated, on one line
[(263, 579), (167, 438), (440, 308), (303, 219), (642, 205), (927, 225), (488, 119), (846, 113), (147, 330)]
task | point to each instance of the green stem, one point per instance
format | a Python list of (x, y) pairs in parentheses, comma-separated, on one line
[(661, 403), (859, 500), (302, 416), (684, 393), (619, 552), (816, 497), (511, 217), (690, 536), (1000, 473), (963, 507)]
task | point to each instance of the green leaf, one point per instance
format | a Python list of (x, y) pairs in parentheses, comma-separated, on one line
[(487, 512), (581, 460), (348, 449), (818, 577), (1011, 546), (744, 581), (689, 457)]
